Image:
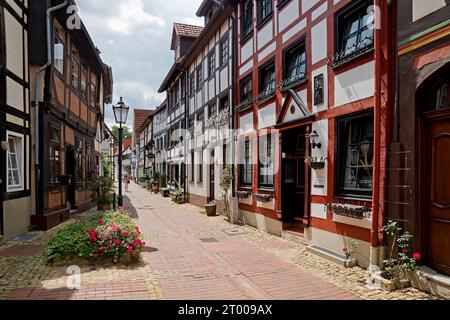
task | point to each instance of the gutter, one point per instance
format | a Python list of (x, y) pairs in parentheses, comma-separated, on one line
[(375, 243)]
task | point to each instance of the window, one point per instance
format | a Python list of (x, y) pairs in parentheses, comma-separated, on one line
[(75, 68), (14, 166), (224, 50), (93, 95), (355, 155), (266, 161), (84, 81), (355, 30), (191, 84), (55, 149), (212, 110), (438, 96), (267, 80), (183, 88), (295, 63), (246, 19), (264, 10), (191, 122), (200, 166), (247, 90), (79, 159), (224, 104), (89, 168), (211, 64), (246, 163), (201, 117), (176, 93), (199, 76), (58, 54)]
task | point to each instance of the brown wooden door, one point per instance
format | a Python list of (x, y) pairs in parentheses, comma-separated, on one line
[(212, 174), (438, 195)]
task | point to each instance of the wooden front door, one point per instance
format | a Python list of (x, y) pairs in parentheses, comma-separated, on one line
[(293, 174), (437, 192), (212, 174)]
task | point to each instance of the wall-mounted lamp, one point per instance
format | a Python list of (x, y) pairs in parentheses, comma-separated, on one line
[(314, 137), (4, 145)]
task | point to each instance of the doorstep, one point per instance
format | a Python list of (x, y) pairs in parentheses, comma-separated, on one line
[(335, 257), (428, 280)]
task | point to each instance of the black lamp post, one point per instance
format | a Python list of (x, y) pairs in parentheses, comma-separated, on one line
[(121, 114)]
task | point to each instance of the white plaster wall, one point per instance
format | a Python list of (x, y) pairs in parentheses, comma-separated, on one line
[(14, 94), (246, 67), (318, 211), (267, 51), (423, 8), (246, 50), (14, 45), (319, 41), (246, 123), (288, 15), (308, 4), (320, 177), (354, 85), (294, 30), (319, 11), (267, 116), (265, 34)]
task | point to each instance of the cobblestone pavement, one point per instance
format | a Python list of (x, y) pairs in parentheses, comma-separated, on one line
[(189, 256)]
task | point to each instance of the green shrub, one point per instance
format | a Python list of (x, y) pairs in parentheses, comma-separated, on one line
[(106, 234), (102, 191)]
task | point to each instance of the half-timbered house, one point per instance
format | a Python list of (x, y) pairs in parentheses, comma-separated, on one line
[(69, 77), (209, 74), (312, 103), (174, 84), (15, 122)]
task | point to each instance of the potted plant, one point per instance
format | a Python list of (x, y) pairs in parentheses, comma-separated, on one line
[(101, 190), (351, 262), (226, 180), (178, 196), (211, 209), (401, 260)]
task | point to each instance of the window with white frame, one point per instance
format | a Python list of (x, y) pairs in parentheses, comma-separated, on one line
[(14, 164)]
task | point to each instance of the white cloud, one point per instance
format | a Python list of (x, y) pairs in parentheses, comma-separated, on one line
[(134, 38)]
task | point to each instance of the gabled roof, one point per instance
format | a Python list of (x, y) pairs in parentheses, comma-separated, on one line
[(294, 111), (184, 30)]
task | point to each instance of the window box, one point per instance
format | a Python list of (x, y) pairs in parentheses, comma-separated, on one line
[(243, 194), (293, 82), (264, 198), (265, 96), (355, 212)]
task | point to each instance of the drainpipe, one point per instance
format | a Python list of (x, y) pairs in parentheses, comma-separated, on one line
[(37, 86), (375, 243)]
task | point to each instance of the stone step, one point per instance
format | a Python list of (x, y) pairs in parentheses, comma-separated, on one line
[(327, 254)]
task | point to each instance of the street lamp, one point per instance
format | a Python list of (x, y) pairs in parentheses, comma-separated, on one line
[(121, 114)]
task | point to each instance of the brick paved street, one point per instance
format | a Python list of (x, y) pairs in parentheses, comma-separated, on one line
[(189, 256)]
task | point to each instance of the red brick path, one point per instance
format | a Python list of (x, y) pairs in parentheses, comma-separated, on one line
[(193, 259)]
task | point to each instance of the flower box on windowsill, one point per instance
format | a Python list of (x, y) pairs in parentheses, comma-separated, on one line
[(294, 82), (340, 58), (265, 96), (243, 194), (355, 212), (264, 198)]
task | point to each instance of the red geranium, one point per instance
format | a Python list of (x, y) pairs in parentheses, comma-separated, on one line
[(102, 248), (417, 256), (405, 251)]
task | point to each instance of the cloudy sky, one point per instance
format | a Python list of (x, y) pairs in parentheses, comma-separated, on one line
[(134, 38)]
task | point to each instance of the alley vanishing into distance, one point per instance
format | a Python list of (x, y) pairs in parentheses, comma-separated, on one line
[(189, 256)]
